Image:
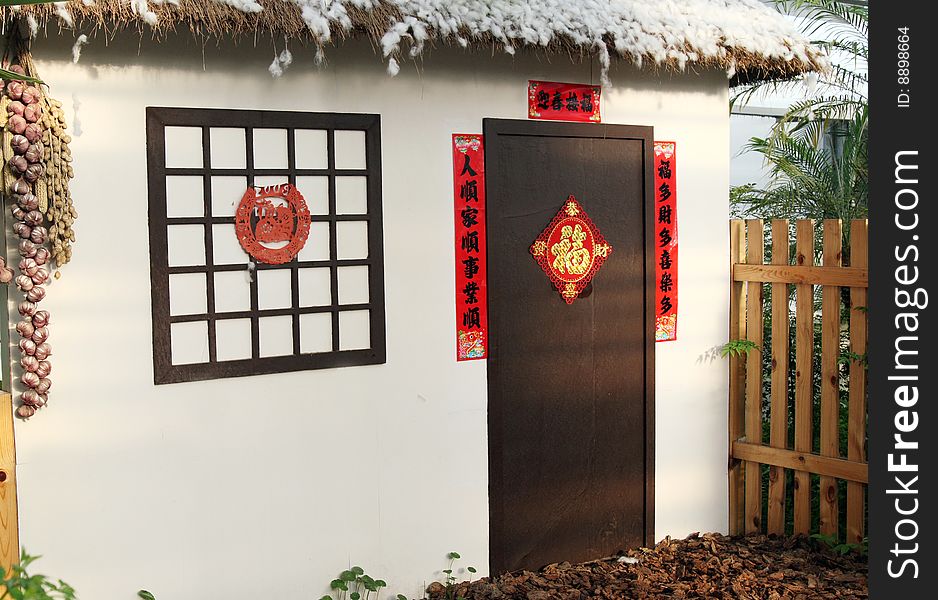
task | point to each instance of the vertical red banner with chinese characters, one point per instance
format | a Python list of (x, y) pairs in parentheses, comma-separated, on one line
[(665, 242), (553, 101), (469, 204)]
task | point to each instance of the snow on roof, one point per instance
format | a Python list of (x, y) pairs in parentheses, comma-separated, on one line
[(744, 37)]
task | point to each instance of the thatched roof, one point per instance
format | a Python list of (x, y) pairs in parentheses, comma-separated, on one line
[(748, 40)]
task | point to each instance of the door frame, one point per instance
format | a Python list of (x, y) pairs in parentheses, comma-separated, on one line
[(492, 128)]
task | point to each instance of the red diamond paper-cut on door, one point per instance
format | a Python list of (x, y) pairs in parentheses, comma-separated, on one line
[(571, 250)]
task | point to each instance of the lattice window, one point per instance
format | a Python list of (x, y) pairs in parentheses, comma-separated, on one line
[(215, 312)]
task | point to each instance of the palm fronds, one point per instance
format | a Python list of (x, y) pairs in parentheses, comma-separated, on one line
[(817, 150)]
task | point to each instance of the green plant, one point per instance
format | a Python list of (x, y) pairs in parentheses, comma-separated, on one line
[(840, 548), (355, 584), (737, 348), (450, 583), (847, 357), (18, 584), (146, 595), (817, 151)]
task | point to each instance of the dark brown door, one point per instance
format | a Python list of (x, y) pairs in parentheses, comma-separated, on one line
[(571, 387)]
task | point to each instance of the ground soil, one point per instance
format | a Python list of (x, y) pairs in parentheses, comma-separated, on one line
[(701, 566)]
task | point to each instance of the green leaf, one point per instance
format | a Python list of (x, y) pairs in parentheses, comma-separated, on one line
[(357, 570), (355, 596), (448, 571), (381, 583), (401, 597), (146, 595), (336, 584), (471, 569), (737, 348), (326, 597), (10, 75), (347, 576), (453, 555)]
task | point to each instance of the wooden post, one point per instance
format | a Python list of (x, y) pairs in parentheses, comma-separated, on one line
[(737, 406), (9, 526), (778, 415), (753, 424), (830, 376), (804, 372), (856, 408)]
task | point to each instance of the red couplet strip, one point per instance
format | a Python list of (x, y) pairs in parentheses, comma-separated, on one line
[(665, 241), (552, 101), (469, 209)]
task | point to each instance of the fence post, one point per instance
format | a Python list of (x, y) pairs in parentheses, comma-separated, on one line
[(856, 407), (9, 526), (830, 376), (804, 374), (753, 419), (737, 407), (778, 408)]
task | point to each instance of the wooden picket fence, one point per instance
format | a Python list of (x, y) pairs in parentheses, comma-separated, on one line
[(808, 451)]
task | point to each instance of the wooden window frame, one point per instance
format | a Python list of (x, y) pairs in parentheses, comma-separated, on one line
[(157, 118)]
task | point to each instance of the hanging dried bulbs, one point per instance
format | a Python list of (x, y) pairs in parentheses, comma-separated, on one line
[(25, 411), (28, 347), (36, 171), (29, 379), (43, 368), (6, 273), (43, 351), (30, 363)]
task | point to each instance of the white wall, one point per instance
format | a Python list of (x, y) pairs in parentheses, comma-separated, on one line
[(269, 486)]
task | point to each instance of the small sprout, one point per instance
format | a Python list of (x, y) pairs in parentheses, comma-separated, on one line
[(448, 571), (149, 596), (453, 555), (471, 569)]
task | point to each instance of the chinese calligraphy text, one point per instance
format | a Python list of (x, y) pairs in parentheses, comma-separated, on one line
[(665, 242), (563, 101), (469, 205)]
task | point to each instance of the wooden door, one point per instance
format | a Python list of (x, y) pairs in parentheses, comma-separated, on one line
[(571, 386)]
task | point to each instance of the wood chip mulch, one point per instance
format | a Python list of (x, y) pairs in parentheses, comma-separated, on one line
[(701, 566)]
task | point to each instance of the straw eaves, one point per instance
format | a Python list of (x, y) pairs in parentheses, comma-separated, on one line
[(743, 37)]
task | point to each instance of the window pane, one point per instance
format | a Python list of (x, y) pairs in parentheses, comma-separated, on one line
[(183, 147), (189, 342), (349, 149), (270, 148), (227, 149), (186, 245), (354, 328), (232, 339)]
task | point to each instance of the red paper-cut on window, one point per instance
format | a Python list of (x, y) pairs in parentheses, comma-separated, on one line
[(272, 223), (571, 250)]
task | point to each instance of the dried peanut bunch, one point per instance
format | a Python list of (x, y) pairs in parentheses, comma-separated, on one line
[(22, 107), (55, 200)]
